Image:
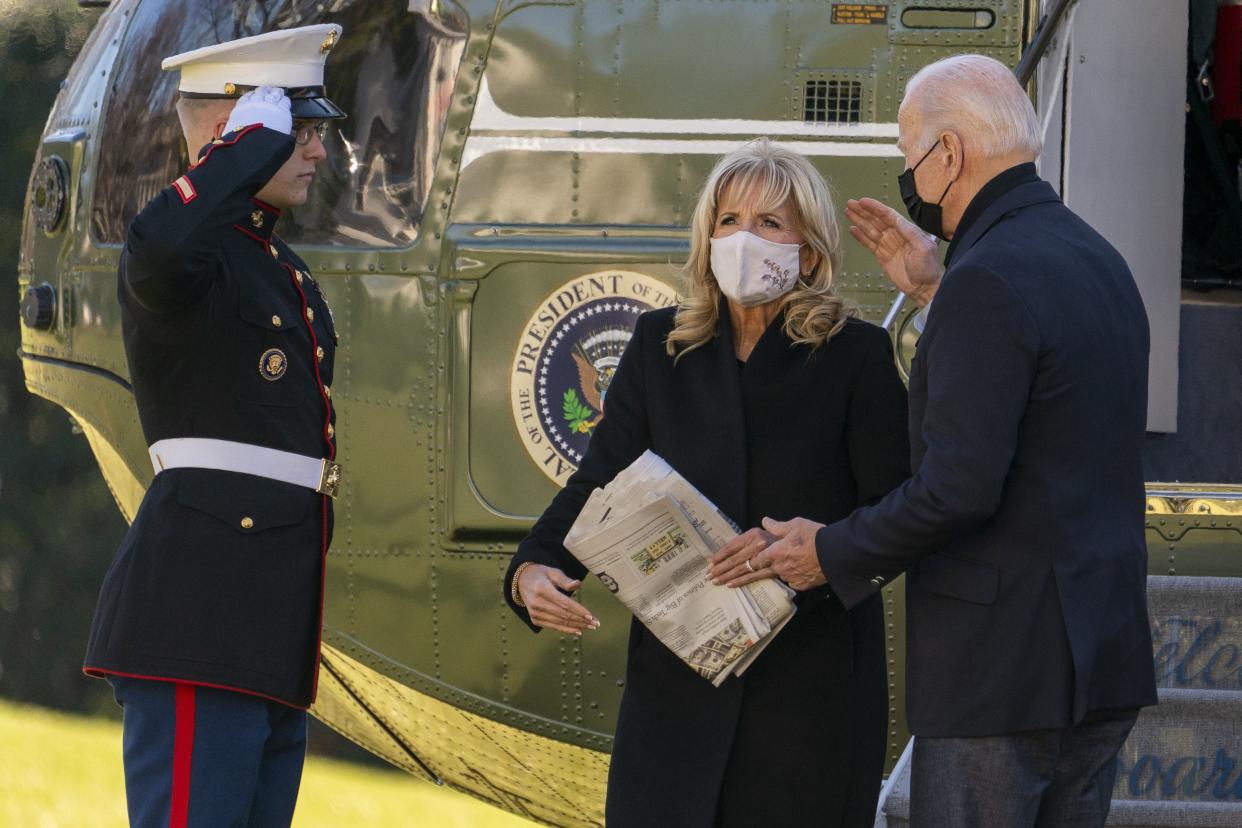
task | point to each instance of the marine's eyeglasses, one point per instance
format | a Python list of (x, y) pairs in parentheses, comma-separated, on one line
[(303, 130)]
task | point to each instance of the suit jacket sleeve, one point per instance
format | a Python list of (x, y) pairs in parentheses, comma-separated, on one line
[(170, 251), (981, 348), (876, 430), (619, 439)]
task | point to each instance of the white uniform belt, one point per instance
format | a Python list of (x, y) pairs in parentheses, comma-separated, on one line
[(323, 476)]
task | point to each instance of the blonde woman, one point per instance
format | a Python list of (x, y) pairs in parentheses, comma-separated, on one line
[(764, 392)]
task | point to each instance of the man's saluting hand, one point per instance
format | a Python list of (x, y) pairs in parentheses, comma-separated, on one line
[(266, 105), (907, 254)]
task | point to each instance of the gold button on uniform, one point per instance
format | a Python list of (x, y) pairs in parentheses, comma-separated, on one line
[(276, 320), (331, 431), (274, 253), (310, 315), (319, 353), (327, 392), (298, 275), (247, 522)]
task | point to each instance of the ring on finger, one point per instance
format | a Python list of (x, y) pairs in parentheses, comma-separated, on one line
[(749, 566)]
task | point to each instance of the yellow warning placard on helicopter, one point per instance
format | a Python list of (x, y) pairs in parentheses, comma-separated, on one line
[(859, 13)]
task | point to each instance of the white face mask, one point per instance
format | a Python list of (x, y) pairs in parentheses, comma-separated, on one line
[(751, 270)]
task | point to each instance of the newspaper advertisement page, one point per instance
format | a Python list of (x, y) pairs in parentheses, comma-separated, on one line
[(648, 535)]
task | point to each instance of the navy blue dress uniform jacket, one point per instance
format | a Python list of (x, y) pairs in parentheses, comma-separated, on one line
[(799, 738), (1021, 529), (219, 581)]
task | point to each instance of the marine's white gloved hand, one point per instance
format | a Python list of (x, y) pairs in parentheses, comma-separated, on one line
[(267, 105)]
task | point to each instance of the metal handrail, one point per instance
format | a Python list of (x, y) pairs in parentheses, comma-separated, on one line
[(1044, 33)]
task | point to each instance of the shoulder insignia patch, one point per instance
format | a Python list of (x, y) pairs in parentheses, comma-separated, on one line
[(273, 364), (185, 189)]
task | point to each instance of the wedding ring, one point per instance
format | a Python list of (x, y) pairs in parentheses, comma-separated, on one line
[(749, 566)]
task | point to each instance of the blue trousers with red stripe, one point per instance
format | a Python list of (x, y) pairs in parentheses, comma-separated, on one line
[(199, 757)]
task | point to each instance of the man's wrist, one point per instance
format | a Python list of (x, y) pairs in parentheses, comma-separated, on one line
[(923, 296)]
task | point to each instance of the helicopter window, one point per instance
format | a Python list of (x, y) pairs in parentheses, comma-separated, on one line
[(393, 72)]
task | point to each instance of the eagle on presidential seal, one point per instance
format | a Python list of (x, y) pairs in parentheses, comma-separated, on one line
[(596, 358)]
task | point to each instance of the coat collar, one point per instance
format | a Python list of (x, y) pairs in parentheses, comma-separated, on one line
[(1023, 192), (260, 222)]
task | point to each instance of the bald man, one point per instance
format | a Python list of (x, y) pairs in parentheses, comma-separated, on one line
[(1021, 530)]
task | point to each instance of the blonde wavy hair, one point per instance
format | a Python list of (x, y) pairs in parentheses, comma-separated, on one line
[(813, 312)]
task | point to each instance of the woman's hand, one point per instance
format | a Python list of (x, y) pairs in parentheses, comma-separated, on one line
[(540, 587), (730, 563)]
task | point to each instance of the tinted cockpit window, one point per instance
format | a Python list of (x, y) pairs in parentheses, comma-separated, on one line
[(393, 72)]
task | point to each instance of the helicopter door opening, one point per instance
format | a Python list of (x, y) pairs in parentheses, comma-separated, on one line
[(1111, 100)]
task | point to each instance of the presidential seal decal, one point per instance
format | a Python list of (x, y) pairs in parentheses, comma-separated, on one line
[(565, 360), (273, 364)]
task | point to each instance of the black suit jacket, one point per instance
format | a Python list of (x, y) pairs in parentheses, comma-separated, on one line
[(1022, 527), (219, 580), (799, 739)]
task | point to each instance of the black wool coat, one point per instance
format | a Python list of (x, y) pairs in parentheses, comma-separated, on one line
[(219, 581), (799, 739), (1022, 527)]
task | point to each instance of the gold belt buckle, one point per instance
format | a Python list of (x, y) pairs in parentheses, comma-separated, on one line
[(330, 479)]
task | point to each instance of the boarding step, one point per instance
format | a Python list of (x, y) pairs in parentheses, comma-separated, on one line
[(1187, 749), (1196, 631), (1129, 814), (1182, 765)]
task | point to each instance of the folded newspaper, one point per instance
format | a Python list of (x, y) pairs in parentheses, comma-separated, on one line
[(648, 535)]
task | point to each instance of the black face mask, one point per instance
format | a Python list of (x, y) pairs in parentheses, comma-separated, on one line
[(926, 216)]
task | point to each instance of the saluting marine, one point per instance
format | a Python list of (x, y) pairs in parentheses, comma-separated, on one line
[(209, 618)]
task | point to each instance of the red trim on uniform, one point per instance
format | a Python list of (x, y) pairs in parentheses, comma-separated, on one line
[(264, 205), (327, 404), (185, 189), (254, 236), (183, 756), (241, 132), (100, 672)]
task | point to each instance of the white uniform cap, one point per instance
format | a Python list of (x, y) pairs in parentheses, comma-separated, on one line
[(288, 58)]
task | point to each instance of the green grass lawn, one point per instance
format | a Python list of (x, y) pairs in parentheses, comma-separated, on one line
[(58, 770)]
